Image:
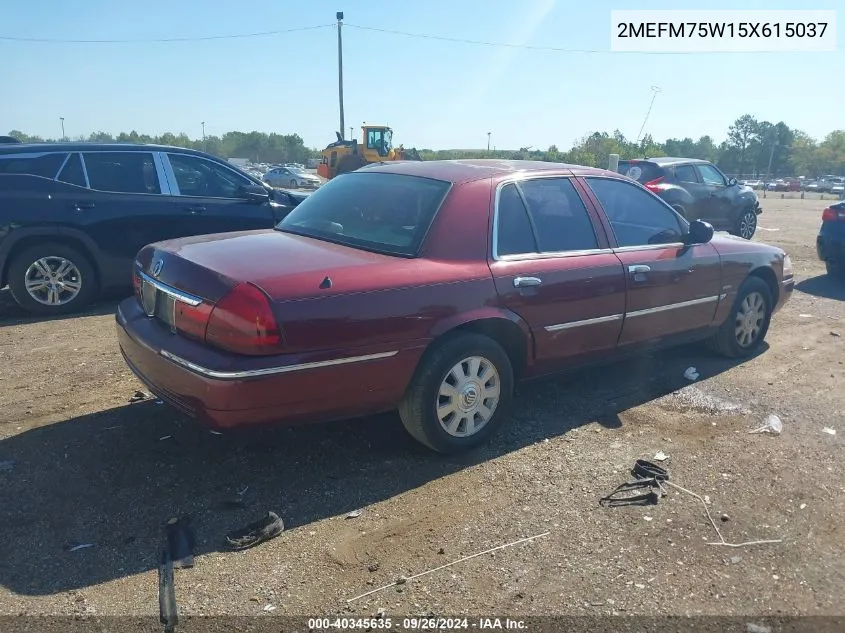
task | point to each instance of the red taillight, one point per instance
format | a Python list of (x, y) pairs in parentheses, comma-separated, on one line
[(833, 215), (136, 283), (191, 320), (657, 185), (243, 322)]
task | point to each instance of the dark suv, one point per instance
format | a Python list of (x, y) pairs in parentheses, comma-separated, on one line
[(698, 191), (74, 215)]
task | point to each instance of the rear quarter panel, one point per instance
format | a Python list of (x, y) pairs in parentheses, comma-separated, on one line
[(741, 258)]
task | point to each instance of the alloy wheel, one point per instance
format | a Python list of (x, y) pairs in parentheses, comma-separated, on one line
[(53, 281), (468, 396), (749, 319), (748, 225)]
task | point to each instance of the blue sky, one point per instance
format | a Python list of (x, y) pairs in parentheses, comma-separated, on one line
[(434, 93)]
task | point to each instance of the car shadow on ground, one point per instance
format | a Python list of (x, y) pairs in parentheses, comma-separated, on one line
[(112, 479), (823, 286), (12, 314)]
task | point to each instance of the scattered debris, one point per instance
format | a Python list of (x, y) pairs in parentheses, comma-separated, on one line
[(166, 437), (138, 396), (441, 551), (650, 476), (736, 559), (255, 533), (78, 547), (829, 430), (647, 518), (806, 316), (757, 628), (402, 580), (381, 613), (354, 514), (802, 506), (772, 424), (242, 491), (213, 432), (835, 333), (725, 518), (159, 402), (660, 456), (7, 465), (373, 567), (269, 607), (691, 374)]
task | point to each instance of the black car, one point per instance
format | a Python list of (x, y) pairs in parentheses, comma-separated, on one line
[(698, 191), (830, 243), (74, 215)]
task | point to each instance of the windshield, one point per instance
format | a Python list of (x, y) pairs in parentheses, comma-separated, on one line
[(295, 170), (386, 213)]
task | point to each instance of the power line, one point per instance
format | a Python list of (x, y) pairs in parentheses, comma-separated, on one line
[(168, 39), (506, 45)]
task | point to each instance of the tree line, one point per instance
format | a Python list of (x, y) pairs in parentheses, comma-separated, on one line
[(751, 148)]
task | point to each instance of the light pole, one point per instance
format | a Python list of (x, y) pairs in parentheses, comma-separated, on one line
[(203, 136), (488, 141), (339, 16), (351, 135), (62, 119)]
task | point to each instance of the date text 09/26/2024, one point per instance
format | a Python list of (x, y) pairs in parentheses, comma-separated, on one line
[(722, 31), (416, 624)]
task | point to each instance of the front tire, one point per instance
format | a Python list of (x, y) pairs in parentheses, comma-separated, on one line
[(745, 328), (52, 279), (746, 224), (459, 394)]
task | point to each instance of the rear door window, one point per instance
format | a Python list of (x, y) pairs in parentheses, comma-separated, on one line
[(514, 231), (685, 173), (122, 172), (72, 172), (36, 164), (639, 170), (560, 217)]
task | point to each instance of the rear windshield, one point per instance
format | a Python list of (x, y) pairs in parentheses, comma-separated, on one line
[(385, 213), (639, 170)]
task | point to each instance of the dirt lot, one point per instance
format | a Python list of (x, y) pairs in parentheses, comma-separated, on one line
[(79, 464)]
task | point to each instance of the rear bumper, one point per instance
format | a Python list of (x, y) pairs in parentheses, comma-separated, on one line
[(830, 248), (225, 390)]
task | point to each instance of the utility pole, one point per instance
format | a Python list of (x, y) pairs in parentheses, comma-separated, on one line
[(655, 90), (488, 141), (204, 146), (351, 134), (62, 119), (339, 16)]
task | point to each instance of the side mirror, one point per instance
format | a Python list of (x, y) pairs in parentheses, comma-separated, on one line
[(732, 182), (700, 232), (254, 193)]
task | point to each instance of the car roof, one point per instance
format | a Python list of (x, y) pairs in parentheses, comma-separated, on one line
[(665, 161), (467, 170), (26, 148)]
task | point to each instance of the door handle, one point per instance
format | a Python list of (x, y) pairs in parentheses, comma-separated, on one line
[(78, 206), (639, 269), (196, 209), (526, 282)]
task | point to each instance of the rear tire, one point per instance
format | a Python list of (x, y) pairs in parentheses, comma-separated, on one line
[(745, 328), (52, 279), (293, 184), (459, 395)]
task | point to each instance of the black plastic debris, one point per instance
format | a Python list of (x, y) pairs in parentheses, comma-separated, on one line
[(168, 612), (256, 533), (647, 478)]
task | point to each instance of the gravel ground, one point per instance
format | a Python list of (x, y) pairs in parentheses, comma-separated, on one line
[(80, 464)]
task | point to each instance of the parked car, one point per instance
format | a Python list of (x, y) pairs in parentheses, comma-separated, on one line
[(830, 243), (698, 191), (74, 215), (812, 186), (432, 287), (837, 186), (292, 177), (791, 184)]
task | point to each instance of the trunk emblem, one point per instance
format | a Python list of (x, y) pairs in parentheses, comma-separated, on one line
[(156, 270)]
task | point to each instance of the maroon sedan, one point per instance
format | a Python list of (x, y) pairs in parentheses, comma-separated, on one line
[(432, 287)]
